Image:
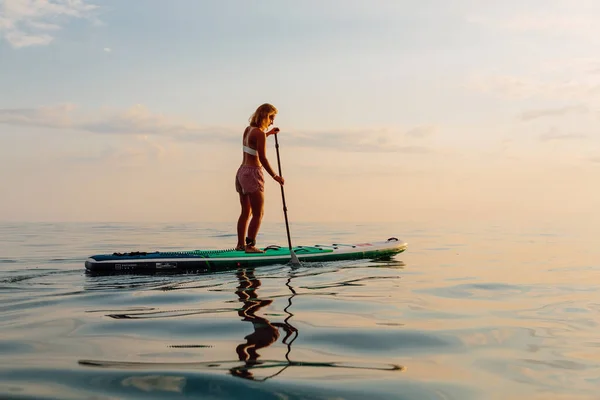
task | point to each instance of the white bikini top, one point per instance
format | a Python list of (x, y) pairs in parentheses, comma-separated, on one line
[(249, 150)]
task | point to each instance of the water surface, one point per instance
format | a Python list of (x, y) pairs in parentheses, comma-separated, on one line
[(466, 313)]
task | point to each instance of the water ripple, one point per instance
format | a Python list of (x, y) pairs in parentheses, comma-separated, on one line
[(507, 316)]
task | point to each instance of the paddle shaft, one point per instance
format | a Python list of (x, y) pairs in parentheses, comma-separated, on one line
[(287, 226)]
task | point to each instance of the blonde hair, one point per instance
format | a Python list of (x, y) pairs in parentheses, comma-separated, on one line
[(260, 118)]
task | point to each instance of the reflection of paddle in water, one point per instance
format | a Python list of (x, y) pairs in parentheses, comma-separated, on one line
[(265, 332)]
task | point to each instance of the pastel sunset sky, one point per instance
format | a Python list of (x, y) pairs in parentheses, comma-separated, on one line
[(389, 110)]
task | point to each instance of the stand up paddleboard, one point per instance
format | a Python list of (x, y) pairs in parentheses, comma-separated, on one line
[(213, 260)]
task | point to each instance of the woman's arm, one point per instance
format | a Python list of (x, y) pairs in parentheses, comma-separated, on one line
[(261, 148)]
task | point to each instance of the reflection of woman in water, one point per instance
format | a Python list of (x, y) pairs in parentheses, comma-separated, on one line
[(265, 332)]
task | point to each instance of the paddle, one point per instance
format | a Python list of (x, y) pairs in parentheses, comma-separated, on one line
[(294, 259)]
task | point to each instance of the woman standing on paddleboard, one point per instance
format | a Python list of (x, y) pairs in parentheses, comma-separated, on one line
[(249, 180)]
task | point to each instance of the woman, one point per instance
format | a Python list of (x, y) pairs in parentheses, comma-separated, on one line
[(249, 181)]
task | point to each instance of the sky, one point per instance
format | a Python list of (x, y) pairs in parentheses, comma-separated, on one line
[(389, 110)]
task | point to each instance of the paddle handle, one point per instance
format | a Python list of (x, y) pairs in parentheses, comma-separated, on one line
[(287, 227)]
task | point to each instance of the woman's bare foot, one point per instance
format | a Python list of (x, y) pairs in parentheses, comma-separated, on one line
[(252, 249), (240, 248)]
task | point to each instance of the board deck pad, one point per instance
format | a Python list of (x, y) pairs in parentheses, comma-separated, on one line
[(212, 260)]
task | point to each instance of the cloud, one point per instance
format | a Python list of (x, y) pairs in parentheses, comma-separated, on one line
[(527, 88), (366, 140), (146, 148), (107, 49), (130, 151), (551, 112), (573, 66), (548, 22), (421, 131), (595, 160), (34, 22), (52, 117), (138, 120), (86, 158), (135, 120), (555, 135)]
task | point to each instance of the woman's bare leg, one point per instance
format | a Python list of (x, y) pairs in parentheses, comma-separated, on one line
[(257, 201), (243, 221)]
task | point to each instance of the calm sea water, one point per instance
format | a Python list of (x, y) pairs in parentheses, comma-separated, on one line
[(485, 312)]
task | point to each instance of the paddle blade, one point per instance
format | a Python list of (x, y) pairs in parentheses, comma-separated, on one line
[(294, 261)]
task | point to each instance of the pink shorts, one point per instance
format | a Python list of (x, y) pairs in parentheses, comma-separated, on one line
[(249, 179)]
